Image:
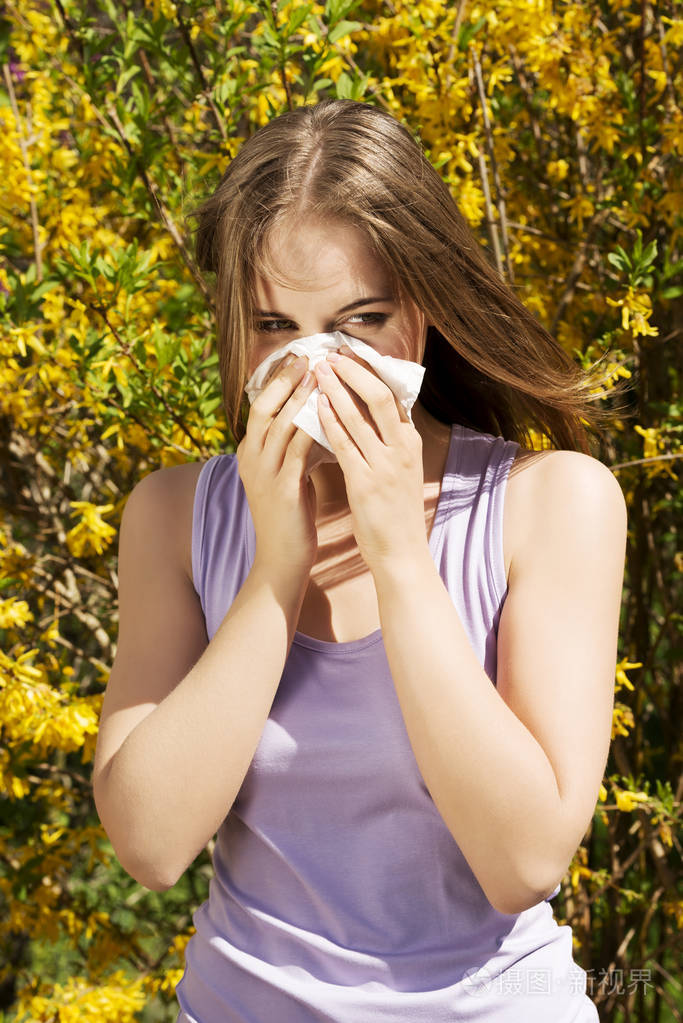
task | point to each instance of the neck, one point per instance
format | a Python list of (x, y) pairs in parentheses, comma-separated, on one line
[(328, 478)]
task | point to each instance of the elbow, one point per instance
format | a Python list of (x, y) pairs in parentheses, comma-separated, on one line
[(147, 876), (514, 902), (144, 873), (146, 869), (516, 898)]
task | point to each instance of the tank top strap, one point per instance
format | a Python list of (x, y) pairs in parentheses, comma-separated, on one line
[(221, 528)]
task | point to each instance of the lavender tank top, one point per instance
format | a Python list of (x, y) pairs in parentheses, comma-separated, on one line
[(338, 893)]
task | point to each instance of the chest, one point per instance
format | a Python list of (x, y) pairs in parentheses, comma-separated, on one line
[(340, 604)]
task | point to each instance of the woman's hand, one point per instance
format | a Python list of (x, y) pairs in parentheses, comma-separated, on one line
[(380, 453), (272, 460)]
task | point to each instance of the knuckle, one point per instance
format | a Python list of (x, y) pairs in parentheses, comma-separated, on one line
[(258, 406)]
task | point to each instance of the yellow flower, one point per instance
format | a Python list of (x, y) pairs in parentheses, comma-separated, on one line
[(664, 832), (14, 613), (622, 720), (627, 800), (621, 678), (92, 534), (636, 310), (557, 170)]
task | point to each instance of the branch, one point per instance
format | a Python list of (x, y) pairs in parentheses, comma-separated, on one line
[(23, 145), (281, 64), (126, 349), (644, 461), (488, 134), (202, 78), (164, 215), (577, 266)]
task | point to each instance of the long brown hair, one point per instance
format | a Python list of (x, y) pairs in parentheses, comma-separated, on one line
[(490, 365)]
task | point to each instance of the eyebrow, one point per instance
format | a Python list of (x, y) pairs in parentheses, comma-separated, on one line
[(344, 309)]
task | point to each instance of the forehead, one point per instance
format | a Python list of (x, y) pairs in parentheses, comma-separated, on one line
[(318, 256)]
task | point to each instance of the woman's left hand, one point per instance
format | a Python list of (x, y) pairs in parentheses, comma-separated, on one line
[(380, 454)]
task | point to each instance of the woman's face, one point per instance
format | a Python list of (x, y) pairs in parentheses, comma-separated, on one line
[(337, 283)]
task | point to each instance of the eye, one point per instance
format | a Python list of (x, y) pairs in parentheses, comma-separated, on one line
[(269, 326), (370, 318)]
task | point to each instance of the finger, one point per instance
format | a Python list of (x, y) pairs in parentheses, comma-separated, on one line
[(349, 354), (297, 452), (348, 454), (358, 425), (282, 428), (268, 403), (384, 407)]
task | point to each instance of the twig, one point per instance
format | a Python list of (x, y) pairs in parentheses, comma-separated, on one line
[(202, 78), (126, 349), (281, 63), (644, 461), (641, 84), (488, 134), (23, 145), (150, 81), (351, 62), (456, 30), (670, 91), (577, 266), (490, 222), (164, 215)]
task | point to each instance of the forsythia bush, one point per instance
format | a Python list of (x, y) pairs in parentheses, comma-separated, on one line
[(558, 128)]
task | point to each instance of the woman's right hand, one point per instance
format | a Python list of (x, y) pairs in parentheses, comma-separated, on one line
[(272, 460)]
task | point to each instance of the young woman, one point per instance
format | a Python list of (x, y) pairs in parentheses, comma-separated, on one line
[(385, 681)]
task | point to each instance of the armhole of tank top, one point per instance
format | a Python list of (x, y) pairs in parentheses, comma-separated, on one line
[(199, 525), (501, 474)]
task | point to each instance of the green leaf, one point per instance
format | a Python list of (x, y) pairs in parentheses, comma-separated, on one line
[(344, 28), (125, 392), (209, 406), (617, 260), (314, 27), (166, 348), (43, 288), (344, 86), (649, 254), (298, 18), (468, 32), (337, 9), (141, 99)]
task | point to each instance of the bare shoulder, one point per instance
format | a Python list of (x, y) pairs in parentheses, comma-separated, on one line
[(171, 492), (565, 473), (570, 487)]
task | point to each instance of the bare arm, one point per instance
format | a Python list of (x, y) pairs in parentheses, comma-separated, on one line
[(164, 793), (182, 717), (515, 769)]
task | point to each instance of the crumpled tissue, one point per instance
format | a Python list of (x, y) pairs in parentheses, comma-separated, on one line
[(402, 376)]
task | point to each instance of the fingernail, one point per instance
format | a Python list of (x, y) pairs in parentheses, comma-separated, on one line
[(322, 367), (333, 356), (300, 362), (306, 380)]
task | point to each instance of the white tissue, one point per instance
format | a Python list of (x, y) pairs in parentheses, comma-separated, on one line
[(403, 377)]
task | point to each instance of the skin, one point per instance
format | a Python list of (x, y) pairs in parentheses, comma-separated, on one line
[(329, 266), (514, 769)]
